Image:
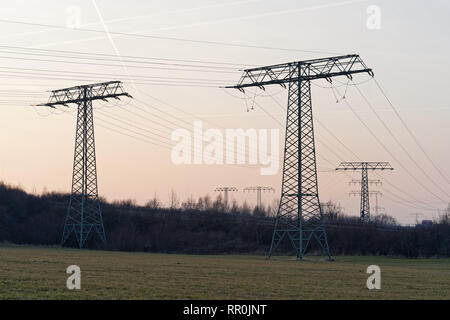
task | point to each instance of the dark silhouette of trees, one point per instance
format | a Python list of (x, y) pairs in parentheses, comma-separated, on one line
[(205, 226)]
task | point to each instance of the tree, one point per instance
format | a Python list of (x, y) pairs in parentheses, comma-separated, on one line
[(174, 202), (153, 203), (189, 204), (384, 219), (218, 204), (444, 218)]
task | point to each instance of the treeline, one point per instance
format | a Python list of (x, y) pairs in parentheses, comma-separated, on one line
[(203, 226)]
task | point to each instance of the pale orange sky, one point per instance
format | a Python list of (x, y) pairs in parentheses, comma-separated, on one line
[(409, 55)]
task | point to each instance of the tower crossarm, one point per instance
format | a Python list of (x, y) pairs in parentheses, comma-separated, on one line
[(364, 165), (248, 189), (372, 193), (370, 181), (324, 68), (96, 91), (219, 189)]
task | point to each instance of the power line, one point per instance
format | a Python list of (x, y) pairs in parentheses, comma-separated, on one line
[(281, 125), (128, 123), (153, 121), (141, 137), (148, 82), (318, 139), (177, 64), (358, 158), (390, 153), (398, 142), (134, 76), (416, 140), (128, 18), (187, 113), (127, 56), (187, 69), (218, 43)]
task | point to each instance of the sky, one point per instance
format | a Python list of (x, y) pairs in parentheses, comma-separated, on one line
[(148, 45)]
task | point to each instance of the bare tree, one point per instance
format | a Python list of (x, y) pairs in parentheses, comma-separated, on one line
[(174, 202), (219, 204), (153, 203), (205, 203), (189, 204), (444, 217), (234, 207), (384, 219), (245, 209)]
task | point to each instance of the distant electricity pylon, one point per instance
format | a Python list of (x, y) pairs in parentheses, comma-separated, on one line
[(300, 217), (376, 194), (259, 190), (84, 213), (377, 207), (225, 191), (364, 167)]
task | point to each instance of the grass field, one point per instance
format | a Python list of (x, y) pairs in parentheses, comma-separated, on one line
[(37, 272)]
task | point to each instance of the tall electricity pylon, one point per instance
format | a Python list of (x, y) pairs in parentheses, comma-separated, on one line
[(259, 190), (84, 214), (300, 217), (225, 193), (364, 167)]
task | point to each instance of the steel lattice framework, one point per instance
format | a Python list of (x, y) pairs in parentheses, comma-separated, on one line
[(84, 214), (225, 193), (365, 194), (371, 193), (259, 190), (300, 216)]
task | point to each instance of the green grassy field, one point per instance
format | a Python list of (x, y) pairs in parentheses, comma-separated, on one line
[(36, 272)]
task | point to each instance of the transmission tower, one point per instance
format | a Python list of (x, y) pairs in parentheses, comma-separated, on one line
[(259, 190), (225, 191), (364, 167), (377, 194), (300, 217), (84, 214)]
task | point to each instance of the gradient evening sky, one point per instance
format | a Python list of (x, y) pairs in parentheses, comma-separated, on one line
[(409, 55)]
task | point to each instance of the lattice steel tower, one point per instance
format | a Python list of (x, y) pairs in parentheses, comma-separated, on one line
[(300, 216), (225, 193), (259, 190), (84, 214), (365, 194)]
